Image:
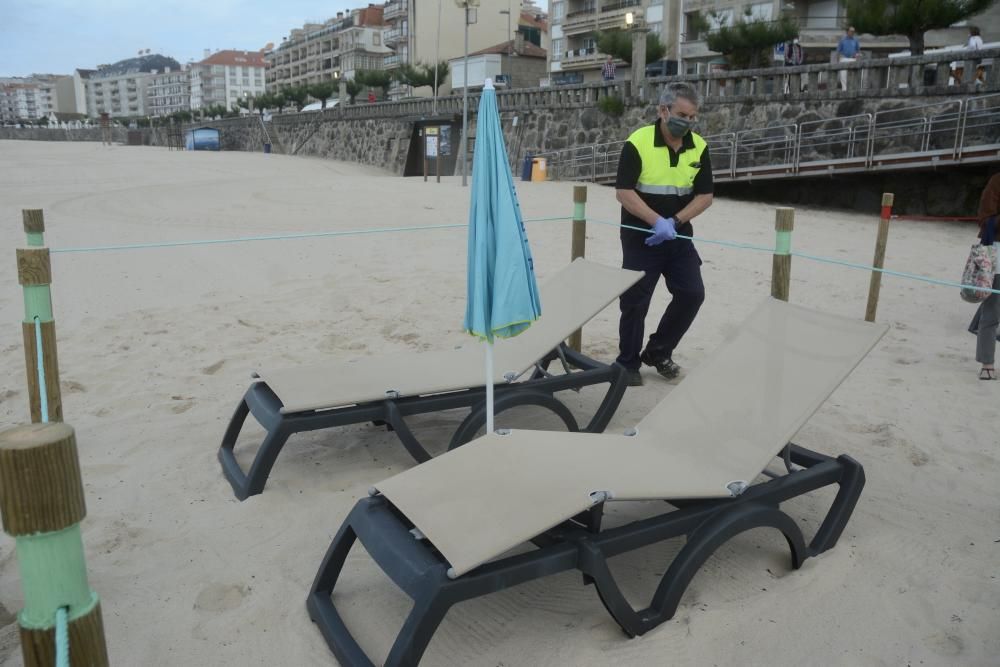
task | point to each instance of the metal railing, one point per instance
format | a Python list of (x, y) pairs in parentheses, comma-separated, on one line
[(937, 134)]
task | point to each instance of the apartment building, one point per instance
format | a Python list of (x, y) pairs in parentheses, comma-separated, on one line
[(324, 51), (169, 92), (226, 76), (28, 97), (122, 89), (574, 56)]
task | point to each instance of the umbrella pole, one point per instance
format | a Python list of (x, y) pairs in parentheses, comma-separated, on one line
[(489, 387)]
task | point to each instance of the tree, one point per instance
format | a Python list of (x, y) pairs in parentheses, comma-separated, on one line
[(322, 91), (296, 95), (911, 18), (420, 75), (618, 43), (748, 42), (209, 112), (353, 88), (375, 78)]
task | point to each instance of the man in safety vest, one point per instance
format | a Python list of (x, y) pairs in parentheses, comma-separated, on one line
[(664, 181)]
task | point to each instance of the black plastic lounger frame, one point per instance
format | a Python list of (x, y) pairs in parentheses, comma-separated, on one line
[(420, 571), (538, 390)]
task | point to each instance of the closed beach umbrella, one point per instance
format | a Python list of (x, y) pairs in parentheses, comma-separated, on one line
[(502, 293)]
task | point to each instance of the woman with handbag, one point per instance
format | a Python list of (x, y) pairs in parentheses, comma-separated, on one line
[(987, 319)]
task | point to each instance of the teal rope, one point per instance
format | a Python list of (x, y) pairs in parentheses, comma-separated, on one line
[(728, 244), (889, 272), (62, 638), (43, 395), (383, 230), (277, 237), (815, 258)]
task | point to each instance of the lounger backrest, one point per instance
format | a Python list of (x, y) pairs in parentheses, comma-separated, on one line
[(760, 387), (569, 298), (721, 425)]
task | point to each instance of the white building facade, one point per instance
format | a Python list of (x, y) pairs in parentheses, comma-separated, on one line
[(225, 77), (169, 92)]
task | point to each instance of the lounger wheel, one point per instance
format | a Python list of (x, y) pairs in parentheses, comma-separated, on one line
[(477, 418)]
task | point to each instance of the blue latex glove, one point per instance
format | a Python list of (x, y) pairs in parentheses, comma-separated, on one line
[(664, 229)]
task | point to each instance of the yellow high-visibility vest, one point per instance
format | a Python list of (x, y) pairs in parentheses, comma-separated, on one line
[(658, 177)]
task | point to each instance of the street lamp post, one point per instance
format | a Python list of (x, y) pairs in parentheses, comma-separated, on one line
[(507, 12), (637, 26), (437, 58), (469, 7)]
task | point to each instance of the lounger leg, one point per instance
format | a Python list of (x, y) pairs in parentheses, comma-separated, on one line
[(612, 399), (511, 398), (394, 419), (266, 409), (320, 606), (702, 543), (230, 468), (264, 461), (852, 482), (417, 632), (432, 593), (708, 537)]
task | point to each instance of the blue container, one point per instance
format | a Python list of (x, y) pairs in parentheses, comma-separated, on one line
[(267, 148), (526, 168)]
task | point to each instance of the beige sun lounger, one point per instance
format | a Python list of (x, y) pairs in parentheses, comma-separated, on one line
[(703, 446), (385, 388)]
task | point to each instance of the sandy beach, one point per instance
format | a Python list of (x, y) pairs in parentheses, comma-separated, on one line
[(156, 347)]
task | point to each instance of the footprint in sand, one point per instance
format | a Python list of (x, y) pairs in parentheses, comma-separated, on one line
[(8, 394), (185, 404), (221, 597), (214, 368), (72, 387), (6, 618)]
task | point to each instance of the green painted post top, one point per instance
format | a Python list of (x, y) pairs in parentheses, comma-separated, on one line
[(36, 239), (37, 303), (53, 575), (580, 210), (782, 243)]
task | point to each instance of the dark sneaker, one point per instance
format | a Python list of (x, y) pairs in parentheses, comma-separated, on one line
[(665, 366), (632, 376)]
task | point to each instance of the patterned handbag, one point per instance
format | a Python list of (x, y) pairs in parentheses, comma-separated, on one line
[(980, 267)]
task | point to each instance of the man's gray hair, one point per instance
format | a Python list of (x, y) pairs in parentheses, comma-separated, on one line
[(679, 90)]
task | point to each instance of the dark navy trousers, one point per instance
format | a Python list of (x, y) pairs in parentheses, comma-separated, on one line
[(678, 263)]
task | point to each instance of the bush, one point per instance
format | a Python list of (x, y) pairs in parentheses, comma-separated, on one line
[(611, 105)]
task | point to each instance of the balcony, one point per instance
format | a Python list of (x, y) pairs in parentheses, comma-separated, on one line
[(395, 10), (586, 58), (610, 16), (392, 62), (396, 35)]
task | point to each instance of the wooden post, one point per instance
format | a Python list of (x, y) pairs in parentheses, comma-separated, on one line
[(34, 272), (579, 245), (34, 226), (781, 266), (883, 237), (42, 504)]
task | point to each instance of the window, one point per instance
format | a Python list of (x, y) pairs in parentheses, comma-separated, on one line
[(656, 28), (377, 39), (722, 17), (761, 11), (557, 48), (558, 11)]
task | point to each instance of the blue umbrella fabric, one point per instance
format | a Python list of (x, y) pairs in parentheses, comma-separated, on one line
[(502, 292)]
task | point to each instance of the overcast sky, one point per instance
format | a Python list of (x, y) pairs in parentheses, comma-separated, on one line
[(58, 36)]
